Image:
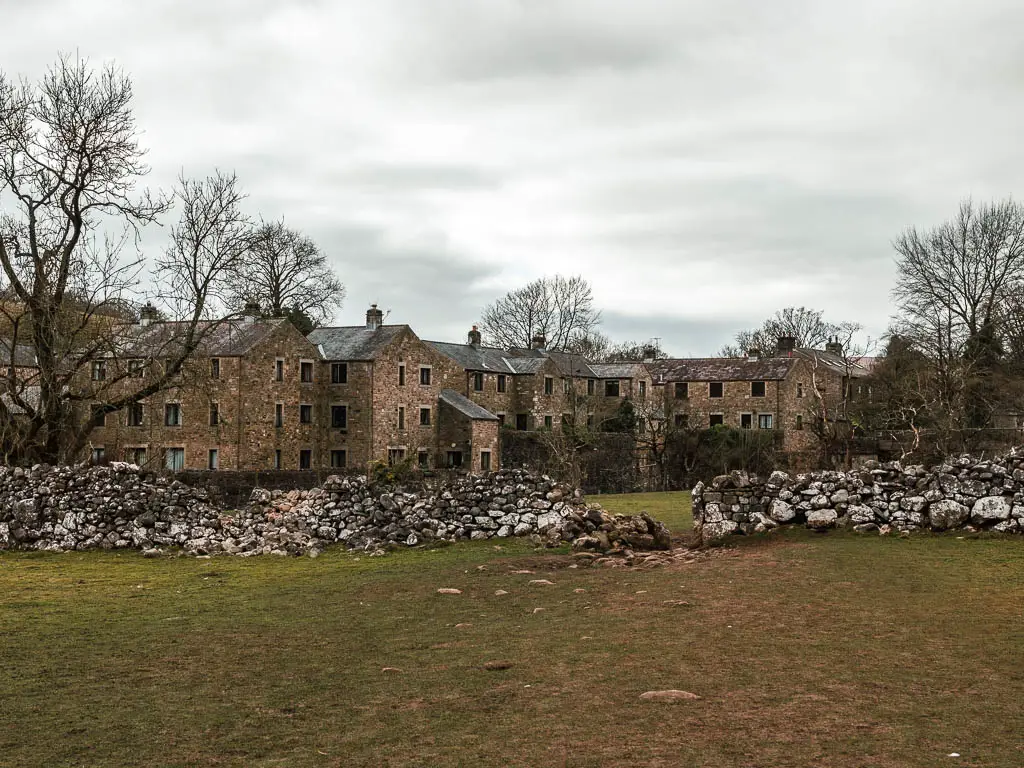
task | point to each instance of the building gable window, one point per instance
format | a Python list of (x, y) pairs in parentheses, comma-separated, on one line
[(278, 463), (485, 461), (716, 420), (136, 456), (425, 375), (746, 421), (502, 383), (339, 417), (800, 389), (425, 416), (423, 459), (136, 368), (395, 455), (215, 368), (305, 414), (765, 421), (716, 389), (683, 420), (134, 415), (339, 373), (214, 414), (757, 389), (99, 416), (306, 372), (305, 459), (174, 459), (799, 421), (99, 370), (339, 458), (99, 455), (522, 421), (549, 385), (279, 370), (548, 422), (213, 459), (611, 388), (590, 387), (478, 382), (682, 390), (401, 374), (172, 415), (401, 417), (643, 388), (279, 414)]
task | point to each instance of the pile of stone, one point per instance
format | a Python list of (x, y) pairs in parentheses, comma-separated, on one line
[(119, 506), (963, 493)]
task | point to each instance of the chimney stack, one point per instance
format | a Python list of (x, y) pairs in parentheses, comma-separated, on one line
[(539, 341), (374, 318), (786, 345), (754, 353), (650, 352), (251, 311), (148, 315), (474, 337), (834, 347)]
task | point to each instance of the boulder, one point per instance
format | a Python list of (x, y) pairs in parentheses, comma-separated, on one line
[(820, 519), (990, 509), (946, 514)]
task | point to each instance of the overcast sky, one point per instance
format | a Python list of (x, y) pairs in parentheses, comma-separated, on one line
[(701, 163)]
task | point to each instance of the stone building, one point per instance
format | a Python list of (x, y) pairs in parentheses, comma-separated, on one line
[(794, 391), (246, 399), (390, 396)]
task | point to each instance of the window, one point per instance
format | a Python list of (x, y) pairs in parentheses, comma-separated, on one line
[(764, 421), (478, 382), (715, 389), (339, 417), (566, 420), (99, 416), (549, 385), (213, 459), (278, 414), (501, 419), (338, 459), (305, 459), (757, 389), (548, 422), (423, 459), (566, 386), (99, 454), (746, 421), (485, 461), (716, 420), (424, 417), (215, 370), (799, 421), (136, 456), (172, 368), (279, 370), (339, 373), (172, 415), (611, 388), (590, 387), (136, 368), (682, 390), (214, 414), (174, 459), (800, 389), (99, 370), (502, 383), (306, 372), (522, 421), (454, 459), (683, 420), (305, 414), (401, 417), (395, 455), (424, 375), (277, 459), (401, 374), (590, 421), (135, 415), (643, 389)]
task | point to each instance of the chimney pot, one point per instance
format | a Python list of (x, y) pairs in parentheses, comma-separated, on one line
[(474, 337), (786, 345), (539, 341)]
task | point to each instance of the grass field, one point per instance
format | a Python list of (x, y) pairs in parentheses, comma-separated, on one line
[(807, 650)]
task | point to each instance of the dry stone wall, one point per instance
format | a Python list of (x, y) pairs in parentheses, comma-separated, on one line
[(963, 493), (119, 506)]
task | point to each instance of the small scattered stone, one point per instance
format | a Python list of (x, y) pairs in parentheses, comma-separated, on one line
[(449, 591), (495, 666), (500, 592), (542, 582), (669, 695), (463, 625)]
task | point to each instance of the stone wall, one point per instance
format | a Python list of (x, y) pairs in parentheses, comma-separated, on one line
[(119, 506), (962, 493)]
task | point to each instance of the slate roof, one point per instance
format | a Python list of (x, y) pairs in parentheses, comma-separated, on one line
[(835, 363), (354, 342), (466, 406), (527, 364), (476, 358), (24, 355), (567, 364), (721, 369), (616, 370), (229, 338)]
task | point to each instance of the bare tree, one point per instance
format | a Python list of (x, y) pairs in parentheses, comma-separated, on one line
[(559, 308), (286, 272), (807, 326), (70, 168)]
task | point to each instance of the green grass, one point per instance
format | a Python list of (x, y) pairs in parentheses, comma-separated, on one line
[(807, 650), (671, 507)]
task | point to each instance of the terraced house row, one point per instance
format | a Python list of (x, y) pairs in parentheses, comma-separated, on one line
[(259, 395)]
